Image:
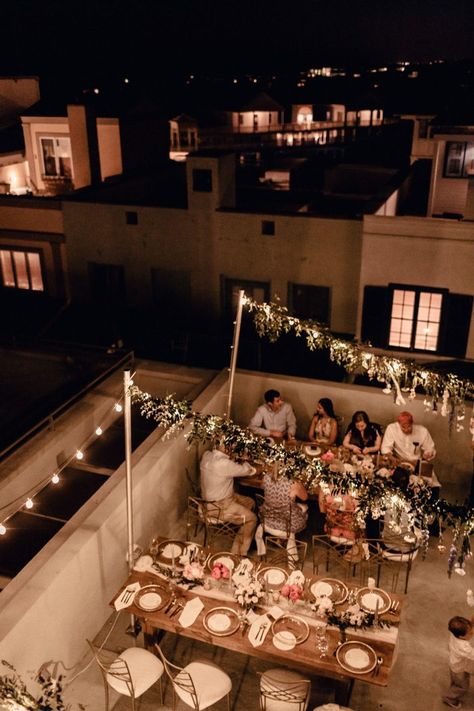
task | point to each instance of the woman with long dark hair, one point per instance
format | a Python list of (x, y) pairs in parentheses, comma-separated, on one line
[(323, 427), (362, 436)]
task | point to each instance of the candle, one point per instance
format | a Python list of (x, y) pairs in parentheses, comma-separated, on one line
[(376, 616), (378, 457), (371, 584)]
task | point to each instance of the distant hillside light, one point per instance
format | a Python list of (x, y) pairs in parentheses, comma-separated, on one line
[(96, 91), (126, 81)]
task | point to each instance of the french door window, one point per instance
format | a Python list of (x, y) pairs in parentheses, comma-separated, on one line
[(56, 154), (21, 270), (415, 318)]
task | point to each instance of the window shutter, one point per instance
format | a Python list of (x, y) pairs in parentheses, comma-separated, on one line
[(376, 315), (455, 324)]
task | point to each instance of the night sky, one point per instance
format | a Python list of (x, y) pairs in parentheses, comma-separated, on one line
[(87, 38)]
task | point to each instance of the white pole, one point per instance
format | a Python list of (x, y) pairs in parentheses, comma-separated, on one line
[(127, 412), (235, 350)]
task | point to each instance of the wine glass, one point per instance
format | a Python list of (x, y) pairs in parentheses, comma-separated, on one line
[(323, 645)]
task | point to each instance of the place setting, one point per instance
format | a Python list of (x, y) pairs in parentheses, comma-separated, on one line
[(288, 631), (272, 577), (221, 621), (332, 588), (371, 599), (357, 657)]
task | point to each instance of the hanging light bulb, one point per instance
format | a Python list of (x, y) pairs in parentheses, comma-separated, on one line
[(29, 504), (3, 530), (118, 407), (55, 478), (99, 431), (79, 454)]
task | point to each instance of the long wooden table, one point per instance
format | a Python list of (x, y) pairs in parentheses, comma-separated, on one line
[(304, 657)]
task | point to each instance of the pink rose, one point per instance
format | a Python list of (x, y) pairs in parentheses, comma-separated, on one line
[(295, 592), (225, 572), (328, 456), (216, 572), (285, 591)]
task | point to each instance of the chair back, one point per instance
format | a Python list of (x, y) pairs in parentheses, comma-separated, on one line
[(291, 554), (181, 680), (276, 520), (113, 667), (195, 518), (280, 693)]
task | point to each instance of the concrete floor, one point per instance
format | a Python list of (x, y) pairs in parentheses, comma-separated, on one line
[(418, 679)]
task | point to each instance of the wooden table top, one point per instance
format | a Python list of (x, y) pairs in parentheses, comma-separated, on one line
[(303, 656)]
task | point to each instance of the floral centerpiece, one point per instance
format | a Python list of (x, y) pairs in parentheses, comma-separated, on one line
[(193, 572), (292, 592), (354, 616), (248, 593), (322, 606), (220, 572)]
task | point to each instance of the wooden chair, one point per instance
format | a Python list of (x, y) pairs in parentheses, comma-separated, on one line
[(333, 559), (131, 673), (195, 519), (199, 684), (385, 564), (291, 554), (284, 690), (206, 516)]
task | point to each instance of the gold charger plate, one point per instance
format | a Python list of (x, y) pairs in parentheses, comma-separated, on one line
[(230, 560), (273, 577), (338, 591), (221, 621), (356, 657), (152, 597), (367, 599), (294, 624), (169, 551)]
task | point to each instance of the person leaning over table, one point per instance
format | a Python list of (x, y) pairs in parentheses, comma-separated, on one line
[(280, 492), (461, 659), (362, 436), (275, 418), (217, 487), (323, 427)]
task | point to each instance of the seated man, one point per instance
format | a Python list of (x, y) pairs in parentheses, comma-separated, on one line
[(409, 442), (217, 487), (275, 418)]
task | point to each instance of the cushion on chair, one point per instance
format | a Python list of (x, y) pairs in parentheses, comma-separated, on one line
[(280, 678), (210, 681), (399, 556), (275, 532), (145, 669)]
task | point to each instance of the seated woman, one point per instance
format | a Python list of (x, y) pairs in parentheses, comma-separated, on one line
[(280, 494), (323, 428), (340, 520), (362, 436)]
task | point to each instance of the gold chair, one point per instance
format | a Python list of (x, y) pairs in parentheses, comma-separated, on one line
[(201, 513), (131, 673), (195, 518), (284, 690), (199, 684), (268, 515), (385, 564), (332, 558), (290, 553)]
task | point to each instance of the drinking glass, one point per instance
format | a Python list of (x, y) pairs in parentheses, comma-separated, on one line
[(323, 646)]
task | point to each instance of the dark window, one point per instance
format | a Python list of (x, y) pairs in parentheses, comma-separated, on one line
[(131, 218), (268, 227), (257, 290), (459, 159), (423, 128), (308, 301), (172, 293), (202, 180), (416, 318)]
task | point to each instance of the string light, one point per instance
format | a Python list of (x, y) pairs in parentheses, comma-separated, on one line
[(99, 431), (55, 479), (3, 529), (29, 503), (79, 454), (118, 407)]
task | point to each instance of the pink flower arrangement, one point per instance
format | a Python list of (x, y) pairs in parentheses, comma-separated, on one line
[(327, 456), (193, 571), (292, 592), (219, 571)]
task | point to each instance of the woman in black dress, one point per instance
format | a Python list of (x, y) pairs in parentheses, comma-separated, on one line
[(362, 436)]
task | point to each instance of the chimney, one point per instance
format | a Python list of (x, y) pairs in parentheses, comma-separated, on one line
[(84, 145)]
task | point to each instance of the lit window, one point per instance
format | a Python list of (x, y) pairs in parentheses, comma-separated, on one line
[(21, 270), (56, 153), (459, 159), (415, 319)]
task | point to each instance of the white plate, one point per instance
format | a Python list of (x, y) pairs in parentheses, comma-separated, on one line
[(312, 451), (218, 622), (150, 601), (321, 588), (275, 576), (357, 658), (224, 560), (171, 550), (368, 598), (284, 640), (143, 562)]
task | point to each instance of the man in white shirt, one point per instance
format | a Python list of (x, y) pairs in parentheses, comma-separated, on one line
[(461, 659), (217, 486), (275, 418), (408, 441)]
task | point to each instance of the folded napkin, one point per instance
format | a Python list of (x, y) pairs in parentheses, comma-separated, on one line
[(328, 707), (190, 612), (259, 630), (124, 599), (296, 578), (243, 572), (143, 563)]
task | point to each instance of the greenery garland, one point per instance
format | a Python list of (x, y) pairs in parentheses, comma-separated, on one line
[(375, 492), (445, 393)]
